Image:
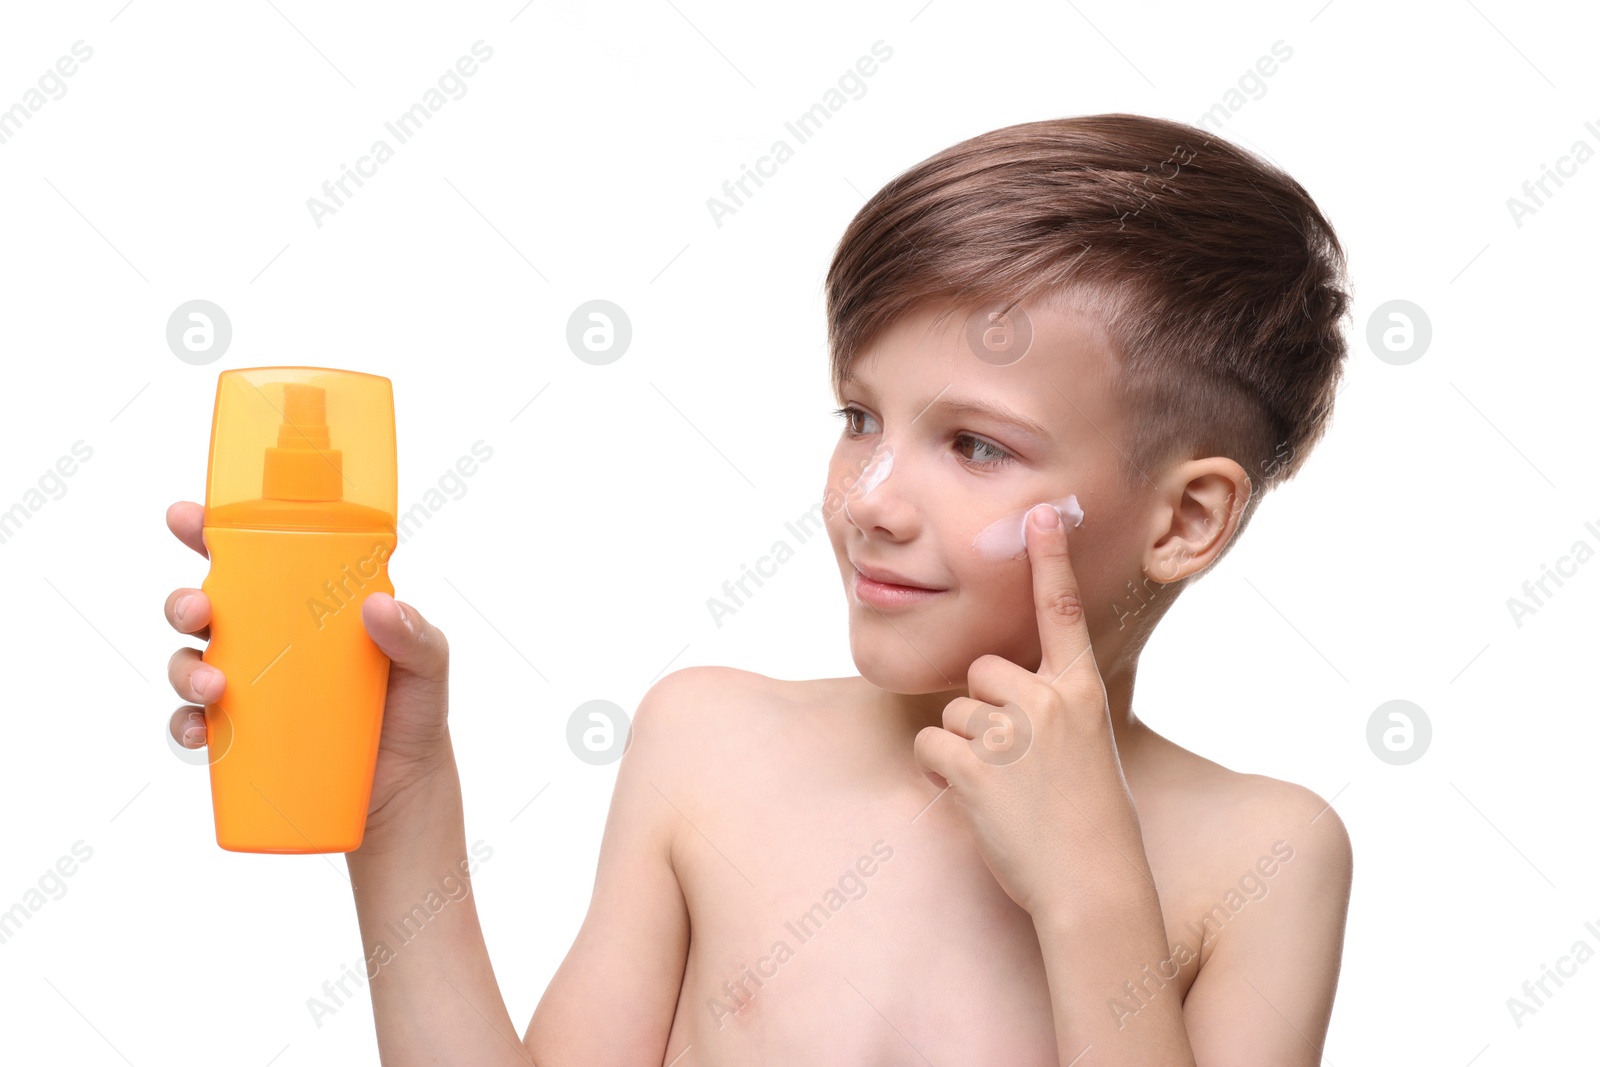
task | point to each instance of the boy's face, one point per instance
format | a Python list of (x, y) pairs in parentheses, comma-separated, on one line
[(941, 477)]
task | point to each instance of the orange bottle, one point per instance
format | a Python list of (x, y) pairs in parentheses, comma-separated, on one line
[(299, 525)]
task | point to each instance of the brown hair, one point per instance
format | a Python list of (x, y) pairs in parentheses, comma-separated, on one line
[(1216, 277)]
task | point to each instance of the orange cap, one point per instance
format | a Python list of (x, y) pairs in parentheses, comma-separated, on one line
[(302, 448)]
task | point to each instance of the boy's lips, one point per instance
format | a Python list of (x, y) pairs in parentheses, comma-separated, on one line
[(885, 576), (884, 588)]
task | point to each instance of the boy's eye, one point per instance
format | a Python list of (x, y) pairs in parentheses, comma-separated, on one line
[(984, 453), (852, 417), (974, 451)]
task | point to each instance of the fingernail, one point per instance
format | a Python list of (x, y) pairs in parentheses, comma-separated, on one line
[(405, 620), (1045, 516), (181, 608), (203, 680), (194, 736)]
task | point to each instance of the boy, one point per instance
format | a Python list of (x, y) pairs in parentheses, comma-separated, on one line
[(974, 852)]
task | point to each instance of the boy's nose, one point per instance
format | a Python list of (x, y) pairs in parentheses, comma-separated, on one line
[(870, 503)]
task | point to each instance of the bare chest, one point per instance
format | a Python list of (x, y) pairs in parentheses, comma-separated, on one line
[(837, 927)]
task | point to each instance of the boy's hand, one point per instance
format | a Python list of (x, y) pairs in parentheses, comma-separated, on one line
[(414, 740), (1031, 757)]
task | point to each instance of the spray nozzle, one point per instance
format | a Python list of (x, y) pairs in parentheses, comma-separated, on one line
[(302, 466), (305, 418)]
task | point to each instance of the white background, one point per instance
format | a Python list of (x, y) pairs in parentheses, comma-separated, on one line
[(577, 166)]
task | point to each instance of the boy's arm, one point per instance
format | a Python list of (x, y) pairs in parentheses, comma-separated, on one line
[(1264, 996), (612, 1000), (434, 996)]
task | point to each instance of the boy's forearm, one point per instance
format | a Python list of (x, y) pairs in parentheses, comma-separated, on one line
[(1089, 952), (434, 994)]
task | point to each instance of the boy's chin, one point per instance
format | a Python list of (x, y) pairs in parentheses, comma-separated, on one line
[(902, 670)]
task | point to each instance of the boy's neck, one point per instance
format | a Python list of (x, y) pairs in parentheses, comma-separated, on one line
[(910, 712)]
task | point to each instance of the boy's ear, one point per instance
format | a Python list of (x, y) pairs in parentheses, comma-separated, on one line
[(1200, 514)]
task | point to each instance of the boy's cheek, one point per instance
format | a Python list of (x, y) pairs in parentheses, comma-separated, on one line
[(998, 615), (834, 522), (833, 498)]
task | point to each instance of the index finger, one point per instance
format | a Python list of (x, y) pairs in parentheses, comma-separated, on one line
[(184, 519), (1063, 626)]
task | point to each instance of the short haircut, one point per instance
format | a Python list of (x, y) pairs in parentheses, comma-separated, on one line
[(1218, 281)]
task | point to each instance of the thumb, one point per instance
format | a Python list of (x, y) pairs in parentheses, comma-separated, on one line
[(414, 645), (941, 754)]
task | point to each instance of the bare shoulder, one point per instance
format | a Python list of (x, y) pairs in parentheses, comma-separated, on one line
[(710, 711), (1301, 832), (1230, 827), (1215, 805), (706, 744), (1304, 821), (689, 686), (1255, 876), (692, 689)]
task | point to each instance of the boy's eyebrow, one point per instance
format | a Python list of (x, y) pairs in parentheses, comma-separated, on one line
[(965, 406), (988, 409)]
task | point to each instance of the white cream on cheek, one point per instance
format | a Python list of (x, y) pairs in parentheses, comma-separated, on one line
[(878, 469), (1004, 538)]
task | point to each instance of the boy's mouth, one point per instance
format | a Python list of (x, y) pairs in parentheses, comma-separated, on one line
[(884, 588)]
